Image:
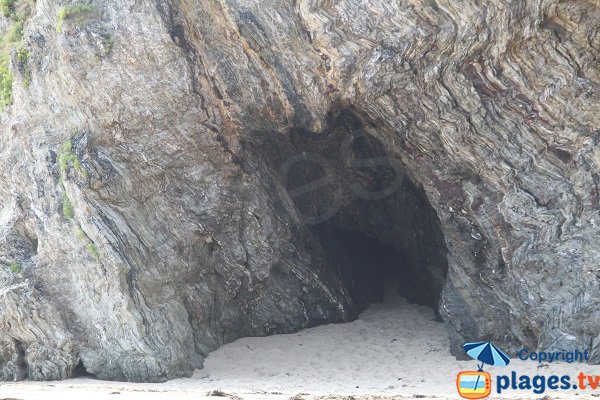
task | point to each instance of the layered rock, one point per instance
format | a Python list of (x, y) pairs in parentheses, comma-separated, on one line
[(148, 211)]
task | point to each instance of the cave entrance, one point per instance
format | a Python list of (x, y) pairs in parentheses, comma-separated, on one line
[(373, 224), (392, 244), (81, 372), (373, 269)]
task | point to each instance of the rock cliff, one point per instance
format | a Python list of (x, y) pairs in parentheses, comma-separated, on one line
[(178, 174)]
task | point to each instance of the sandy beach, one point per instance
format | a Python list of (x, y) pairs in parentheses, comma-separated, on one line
[(394, 350)]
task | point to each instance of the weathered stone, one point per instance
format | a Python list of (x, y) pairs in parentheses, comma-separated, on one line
[(174, 132)]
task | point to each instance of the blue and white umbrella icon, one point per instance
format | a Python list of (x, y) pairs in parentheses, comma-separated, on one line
[(487, 353)]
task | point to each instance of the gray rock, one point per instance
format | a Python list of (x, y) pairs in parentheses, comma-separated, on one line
[(153, 188)]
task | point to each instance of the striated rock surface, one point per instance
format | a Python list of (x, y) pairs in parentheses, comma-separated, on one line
[(176, 175)]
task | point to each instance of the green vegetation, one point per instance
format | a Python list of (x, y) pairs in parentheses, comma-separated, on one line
[(93, 250), (15, 32), (23, 62), (7, 7), (80, 234), (67, 158), (109, 42), (13, 35), (15, 268), (6, 83), (72, 11), (91, 247), (9, 41), (68, 210)]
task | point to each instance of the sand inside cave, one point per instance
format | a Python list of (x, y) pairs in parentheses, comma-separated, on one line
[(395, 350)]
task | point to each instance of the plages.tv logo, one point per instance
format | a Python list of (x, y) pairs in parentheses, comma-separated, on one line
[(478, 384)]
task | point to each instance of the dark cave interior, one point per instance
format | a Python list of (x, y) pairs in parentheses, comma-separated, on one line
[(363, 216), (81, 372), (372, 265), (394, 242)]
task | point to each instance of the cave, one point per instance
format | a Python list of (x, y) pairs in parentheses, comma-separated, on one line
[(81, 372), (368, 222), (373, 268), (232, 170), (392, 244)]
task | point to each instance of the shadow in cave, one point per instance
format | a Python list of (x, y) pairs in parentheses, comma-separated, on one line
[(376, 267), (392, 244), (368, 219), (81, 372)]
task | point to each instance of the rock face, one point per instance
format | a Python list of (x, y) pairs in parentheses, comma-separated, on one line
[(176, 175)]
